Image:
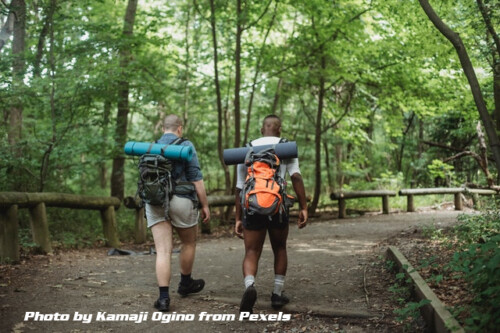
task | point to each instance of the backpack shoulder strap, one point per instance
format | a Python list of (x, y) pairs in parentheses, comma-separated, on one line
[(178, 141)]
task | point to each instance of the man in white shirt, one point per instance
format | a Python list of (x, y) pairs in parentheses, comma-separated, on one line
[(253, 228)]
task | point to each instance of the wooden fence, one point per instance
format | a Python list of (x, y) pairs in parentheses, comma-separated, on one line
[(458, 192), (11, 202), (343, 196)]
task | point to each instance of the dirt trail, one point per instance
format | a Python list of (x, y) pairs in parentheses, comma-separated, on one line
[(334, 280)]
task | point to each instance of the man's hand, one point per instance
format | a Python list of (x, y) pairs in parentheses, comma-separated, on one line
[(238, 229), (302, 221), (205, 214)]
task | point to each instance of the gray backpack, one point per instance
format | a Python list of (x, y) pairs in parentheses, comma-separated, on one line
[(155, 186)]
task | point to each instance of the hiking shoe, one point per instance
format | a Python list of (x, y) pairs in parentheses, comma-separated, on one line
[(193, 287), (162, 304), (278, 301), (248, 299)]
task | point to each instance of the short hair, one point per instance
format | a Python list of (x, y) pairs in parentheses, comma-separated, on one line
[(172, 122), (273, 117)]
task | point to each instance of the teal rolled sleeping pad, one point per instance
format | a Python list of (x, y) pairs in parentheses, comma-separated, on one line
[(283, 150), (175, 152)]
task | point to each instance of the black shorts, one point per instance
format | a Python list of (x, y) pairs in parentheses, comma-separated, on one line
[(258, 222)]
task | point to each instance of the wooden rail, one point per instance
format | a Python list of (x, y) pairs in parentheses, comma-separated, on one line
[(10, 202), (409, 193), (456, 191), (343, 196)]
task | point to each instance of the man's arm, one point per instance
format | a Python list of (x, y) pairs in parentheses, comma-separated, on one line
[(202, 196), (298, 187), (238, 227)]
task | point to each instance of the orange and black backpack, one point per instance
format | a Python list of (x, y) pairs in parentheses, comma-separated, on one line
[(264, 191)]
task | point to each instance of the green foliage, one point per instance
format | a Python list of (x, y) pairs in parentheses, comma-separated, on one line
[(392, 82), (71, 228), (26, 240), (478, 260), (441, 170), (409, 312)]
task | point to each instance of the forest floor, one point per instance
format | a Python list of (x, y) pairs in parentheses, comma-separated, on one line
[(337, 282)]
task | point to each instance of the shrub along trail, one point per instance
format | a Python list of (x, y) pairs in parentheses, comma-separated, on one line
[(335, 280)]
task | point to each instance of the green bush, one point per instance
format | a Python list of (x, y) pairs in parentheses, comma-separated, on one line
[(478, 261)]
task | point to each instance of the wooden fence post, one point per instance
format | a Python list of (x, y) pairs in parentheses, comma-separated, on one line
[(40, 227), (342, 208), (385, 204), (458, 201), (410, 206), (140, 226), (109, 227), (9, 234)]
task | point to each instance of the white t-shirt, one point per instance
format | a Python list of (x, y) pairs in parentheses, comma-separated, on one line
[(290, 165)]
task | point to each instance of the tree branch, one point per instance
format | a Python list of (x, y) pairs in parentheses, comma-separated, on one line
[(304, 109), (489, 26), (463, 154), (347, 108), (195, 3), (470, 74), (440, 145), (259, 18), (305, 59)]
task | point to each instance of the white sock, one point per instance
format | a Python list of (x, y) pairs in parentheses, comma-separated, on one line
[(279, 283), (249, 280)]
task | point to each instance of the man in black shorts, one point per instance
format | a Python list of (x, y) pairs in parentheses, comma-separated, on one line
[(253, 228)]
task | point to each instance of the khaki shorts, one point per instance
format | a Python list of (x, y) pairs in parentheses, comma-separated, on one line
[(182, 213)]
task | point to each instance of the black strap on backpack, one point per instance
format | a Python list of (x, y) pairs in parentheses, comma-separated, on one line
[(159, 191)]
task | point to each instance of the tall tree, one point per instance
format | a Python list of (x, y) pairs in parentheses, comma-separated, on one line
[(237, 75), (487, 14), (118, 176), (220, 125), (18, 7), (469, 72)]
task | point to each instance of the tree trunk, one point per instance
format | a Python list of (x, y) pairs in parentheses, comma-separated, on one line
[(277, 95), (237, 81), (220, 114), (496, 92), (496, 60), (187, 69), (44, 169), (18, 7), (338, 161), (317, 139), (483, 162), (403, 142), (103, 170), (237, 75), (468, 69), (117, 175), (41, 39), (327, 165)]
